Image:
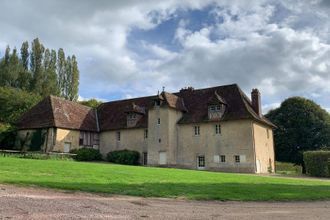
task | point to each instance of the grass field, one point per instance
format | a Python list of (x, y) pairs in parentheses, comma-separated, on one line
[(158, 182)]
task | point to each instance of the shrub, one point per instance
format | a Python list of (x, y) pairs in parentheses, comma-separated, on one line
[(316, 163), (87, 154), (127, 157)]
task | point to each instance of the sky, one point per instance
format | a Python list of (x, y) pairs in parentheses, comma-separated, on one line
[(130, 48)]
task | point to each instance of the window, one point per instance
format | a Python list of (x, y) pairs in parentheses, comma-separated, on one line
[(214, 108), (222, 158), (218, 129), (197, 130), (132, 116), (158, 121), (96, 140), (201, 161), (157, 103), (145, 133), (237, 158), (267, 133), (118, 136), (145, 158)]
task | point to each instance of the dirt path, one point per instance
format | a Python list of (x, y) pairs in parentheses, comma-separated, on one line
[(35, 203)]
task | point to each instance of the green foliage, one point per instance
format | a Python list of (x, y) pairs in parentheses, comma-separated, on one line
[(87, 154), (37, 140), (317, 163), (159, 182), (39, 156), (93, 103), (127, 157), (302, 125), (7, 136), (40, 71), (14, 102), (288, 168)]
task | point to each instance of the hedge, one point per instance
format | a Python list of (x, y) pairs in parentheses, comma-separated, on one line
[(127, 157), (86, 154), (317, 163)]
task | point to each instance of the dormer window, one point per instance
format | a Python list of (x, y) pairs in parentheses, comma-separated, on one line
[(216, 111), (157, 102), (132, 119)]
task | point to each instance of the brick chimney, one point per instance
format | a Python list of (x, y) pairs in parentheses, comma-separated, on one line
[(256, 101)]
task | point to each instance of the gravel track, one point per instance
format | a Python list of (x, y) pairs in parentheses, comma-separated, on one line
[(38, 203)]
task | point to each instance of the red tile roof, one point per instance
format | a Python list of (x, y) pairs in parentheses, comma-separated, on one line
[(57, 112)]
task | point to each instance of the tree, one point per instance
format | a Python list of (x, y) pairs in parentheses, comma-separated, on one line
[(68, 78), (49, 84), (302, 125), (75, 79), (37, 70), (14, 102), (25, 55), (61, 71), (93, 103)]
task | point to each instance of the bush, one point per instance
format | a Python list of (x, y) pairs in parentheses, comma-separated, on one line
[(87, 154), (7, 136), (127, 157), (316, 163)]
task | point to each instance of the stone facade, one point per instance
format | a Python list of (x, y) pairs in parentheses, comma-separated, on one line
[(216, 129)]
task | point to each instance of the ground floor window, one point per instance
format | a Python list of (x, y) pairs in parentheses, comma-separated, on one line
[(201, 161), (237, 159), (145, 158), (222, 158)]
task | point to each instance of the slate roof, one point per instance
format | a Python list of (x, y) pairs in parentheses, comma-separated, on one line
[(56, 112)]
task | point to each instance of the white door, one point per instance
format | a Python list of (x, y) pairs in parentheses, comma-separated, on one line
[(162, 158), (67, 147), (258, 166)]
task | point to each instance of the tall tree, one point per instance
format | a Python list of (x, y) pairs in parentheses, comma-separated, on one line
[(68, 78), (75, 80), (37, 69), (14, 67), (61, 71), (49, 86), (302, 125), (25, 55), (4, 68)]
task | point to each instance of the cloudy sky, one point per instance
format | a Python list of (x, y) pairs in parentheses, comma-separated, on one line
[(132, 48)]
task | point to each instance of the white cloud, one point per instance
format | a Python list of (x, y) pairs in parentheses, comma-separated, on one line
[(282, 47)]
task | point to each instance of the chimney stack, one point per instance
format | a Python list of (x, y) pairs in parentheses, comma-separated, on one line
[(256, 101)]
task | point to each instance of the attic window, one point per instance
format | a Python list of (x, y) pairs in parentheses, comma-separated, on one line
[(216, 111), (157, 102), (132, 119)]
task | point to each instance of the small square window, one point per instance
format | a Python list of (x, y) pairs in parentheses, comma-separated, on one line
[(222, 158), (237, 159)]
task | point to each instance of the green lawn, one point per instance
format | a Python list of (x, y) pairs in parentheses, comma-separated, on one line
[(158, 182)]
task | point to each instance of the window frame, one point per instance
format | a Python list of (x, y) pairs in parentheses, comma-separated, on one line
[(118, 136), (222, 158), (237, 158), (217, 129), (197, 130), (201, 162)]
